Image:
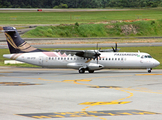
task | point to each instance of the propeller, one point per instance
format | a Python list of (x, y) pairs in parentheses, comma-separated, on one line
[(97, 54), (115, 50)]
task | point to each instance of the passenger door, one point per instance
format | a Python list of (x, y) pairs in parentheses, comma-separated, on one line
[(40, 60)]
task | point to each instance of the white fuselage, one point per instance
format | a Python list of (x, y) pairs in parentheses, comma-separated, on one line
[(106, 60)]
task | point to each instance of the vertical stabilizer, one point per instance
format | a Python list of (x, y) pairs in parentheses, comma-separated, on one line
[(15, 43)]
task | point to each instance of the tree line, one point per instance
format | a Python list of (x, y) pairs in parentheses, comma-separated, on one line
[(79, 3)]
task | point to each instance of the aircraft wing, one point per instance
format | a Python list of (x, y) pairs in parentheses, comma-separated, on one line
[(88, 53), (81, 53)]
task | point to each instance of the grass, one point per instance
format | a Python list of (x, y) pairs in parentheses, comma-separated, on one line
[(155, 52), (84, 30), (81, 17), (137, 28)]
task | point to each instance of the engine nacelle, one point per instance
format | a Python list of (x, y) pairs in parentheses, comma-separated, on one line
[(88, 54), (93, 66), (75, 65)]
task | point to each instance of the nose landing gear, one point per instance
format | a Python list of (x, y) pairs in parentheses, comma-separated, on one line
[(149, 70)]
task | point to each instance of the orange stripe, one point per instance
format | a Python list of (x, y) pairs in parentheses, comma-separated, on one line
[(88, 61), (15, 56)]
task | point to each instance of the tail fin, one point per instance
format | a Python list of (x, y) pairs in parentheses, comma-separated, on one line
[(15, 43)]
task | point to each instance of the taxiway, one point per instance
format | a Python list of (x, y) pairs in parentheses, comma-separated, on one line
[(63, 94)]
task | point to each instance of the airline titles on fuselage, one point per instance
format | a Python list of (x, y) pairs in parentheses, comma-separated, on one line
[(125, 54)]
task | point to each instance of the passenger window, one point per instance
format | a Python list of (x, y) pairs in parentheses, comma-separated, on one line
[(115, 58), (109, 58), (112, 58), (118, 58)]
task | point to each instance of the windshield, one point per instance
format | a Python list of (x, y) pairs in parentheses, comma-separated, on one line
[(146, 56)]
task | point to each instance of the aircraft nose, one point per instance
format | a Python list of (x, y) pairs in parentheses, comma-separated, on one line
[(156, 63)]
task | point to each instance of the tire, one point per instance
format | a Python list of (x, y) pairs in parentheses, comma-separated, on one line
[(91, 71), (81, 70), (149, 71)]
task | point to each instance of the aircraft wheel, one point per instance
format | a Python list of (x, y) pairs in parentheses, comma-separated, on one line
[(91, 71), (81, 70), (149, 71)]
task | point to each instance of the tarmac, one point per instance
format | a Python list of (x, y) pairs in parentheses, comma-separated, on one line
[(64, 94)]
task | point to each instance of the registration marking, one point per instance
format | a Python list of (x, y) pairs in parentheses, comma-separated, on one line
[(87, 114)]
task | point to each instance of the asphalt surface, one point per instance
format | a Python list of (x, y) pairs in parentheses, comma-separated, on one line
[(4, 46), (75, 42), (94, 45), (63, 94)]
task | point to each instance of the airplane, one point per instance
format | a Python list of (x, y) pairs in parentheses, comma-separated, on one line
[(82, 60)]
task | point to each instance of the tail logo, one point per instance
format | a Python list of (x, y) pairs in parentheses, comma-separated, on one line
[(10, 41), (25, 47)]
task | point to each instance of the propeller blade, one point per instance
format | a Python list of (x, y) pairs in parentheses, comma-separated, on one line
[(116, 47), (113, 49), (97, 54), (97, 46)]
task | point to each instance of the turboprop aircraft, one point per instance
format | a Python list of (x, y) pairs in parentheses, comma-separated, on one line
[(82, 60)]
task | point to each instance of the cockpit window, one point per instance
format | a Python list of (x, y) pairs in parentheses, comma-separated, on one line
[(146, 56), (149, 56)]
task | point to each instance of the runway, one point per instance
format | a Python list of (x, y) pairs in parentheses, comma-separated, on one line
[(64, 94), (90, 45)]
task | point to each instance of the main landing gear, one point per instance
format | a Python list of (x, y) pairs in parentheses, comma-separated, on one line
[(149, 70), (82, 70)]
